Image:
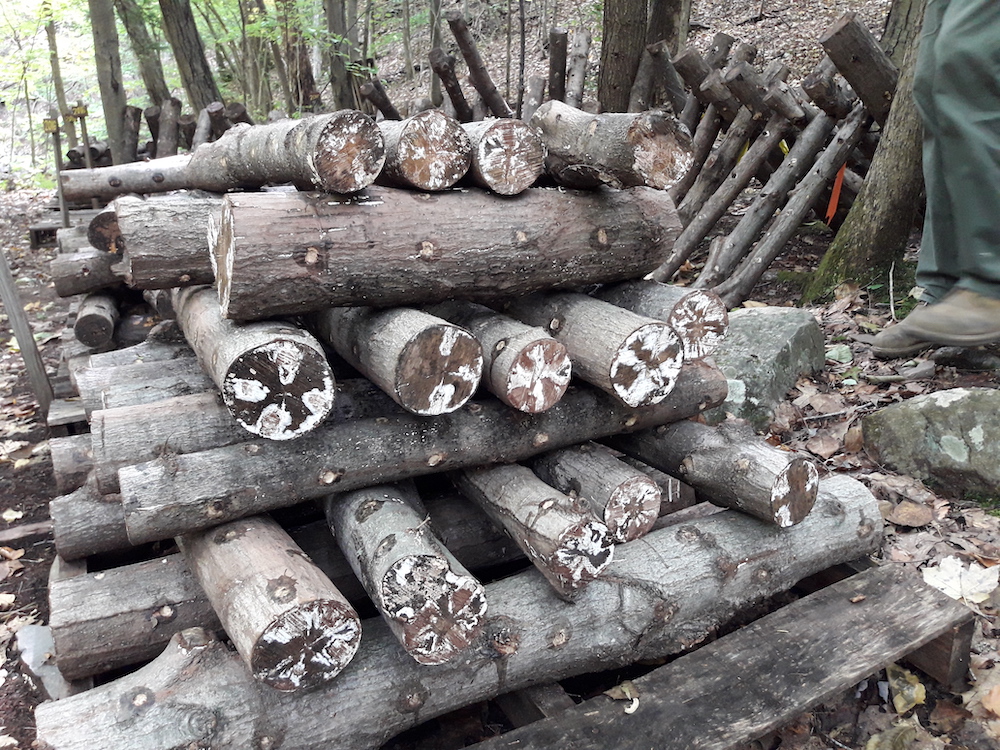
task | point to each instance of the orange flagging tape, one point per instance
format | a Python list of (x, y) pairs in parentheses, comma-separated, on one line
[(831, 210)]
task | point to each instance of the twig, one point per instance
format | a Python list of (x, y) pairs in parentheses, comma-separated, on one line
[(892, 291)]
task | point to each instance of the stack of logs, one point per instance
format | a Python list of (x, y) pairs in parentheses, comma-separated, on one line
[(393, 394)]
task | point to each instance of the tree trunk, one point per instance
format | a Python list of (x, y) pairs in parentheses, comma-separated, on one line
[(429, 151), (873, 237), (507, 155), (341, 152), (339, 52), (109, 75), (293, 629), (431, 603), (642, 610), (189, 492), (144, 49), (525, 367), (621, 48), (273, 376), (167, 140), (558, 48), (669, 20), (576, 70), (426, 365), (468, 245), (560, 536), (96, 320), (620, 150), (479, 76), (57, 82), (621, 497), (181, 32), (634, 358)]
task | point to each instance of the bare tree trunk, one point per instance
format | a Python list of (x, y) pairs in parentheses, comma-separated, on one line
[(621, 48), (57, 82), (182, 32), (109, 74), (669, 20), (144, 49)]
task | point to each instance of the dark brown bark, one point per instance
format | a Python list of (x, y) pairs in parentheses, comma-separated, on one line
[(217, 119), (103, 232), (507, 155), (558, 47), (96, 319), (466, 246), (181, 31), (669, 21), (479, 76), (444, 65), (429, 151), (621, 47), (860, 59), (373, 91), (132, 121), (144, 49)]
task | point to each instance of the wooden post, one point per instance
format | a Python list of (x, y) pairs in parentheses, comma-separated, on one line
[(33, 363), (167, 141), (862, 61), (576, 71), (373, 91), (558, 47)]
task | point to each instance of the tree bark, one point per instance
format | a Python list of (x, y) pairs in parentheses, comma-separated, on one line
[(621, 48), (534, 94), (561, 537), (444, 65), (639, 611), (273, 376), (621, 497), (57, 80), (634, 358), (620, 150), (525, 367), (507, 155), (164, 498), (698, 317), (429, 151), (558, 47), (96, 320), (293, 629), (217, 119), (431, 603), (341, 152), (85, 522), (109, 75), (426, 365), (181, 32), (468, 245), (88, 270), (72, 462), (479, 76), (132, 122), (731, 467), (373, 91), (103, 232), (857, 54), (576, 70), (202, 129), (144, 49), (669, 20), (167, 140), (828, 91), (140, 383)]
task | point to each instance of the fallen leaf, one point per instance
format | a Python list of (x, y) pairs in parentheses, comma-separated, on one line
[(973, 584), (854, 439), (910, 514), (6, 600), (907, 690), (823, 445), (991, 701), (10, 515), (948, 717), (9, 553), (754, 303), (7, 741), (840, 353), (21, 463)]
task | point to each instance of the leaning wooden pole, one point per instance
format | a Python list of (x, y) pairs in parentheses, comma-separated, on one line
[(478, 74)]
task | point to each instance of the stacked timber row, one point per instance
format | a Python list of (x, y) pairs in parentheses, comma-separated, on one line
[(372, 410)]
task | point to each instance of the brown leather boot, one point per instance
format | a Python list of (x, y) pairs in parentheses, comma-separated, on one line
[(897, 341), (962, 318)]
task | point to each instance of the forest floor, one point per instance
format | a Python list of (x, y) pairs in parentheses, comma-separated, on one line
[(820, 416)]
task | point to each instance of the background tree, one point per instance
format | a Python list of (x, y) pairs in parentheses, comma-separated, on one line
[(189, 53), (621, 48), (669, 20), (57, 82), (146, 51), (338, 50), (296, 48), (109, 74)]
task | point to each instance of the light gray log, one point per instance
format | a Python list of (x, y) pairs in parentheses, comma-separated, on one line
[(96, 319), (72, 461), (85, 522), (507, 155), (88, 270), (432, 604), (140, 383), (576, 67), (429, 151)]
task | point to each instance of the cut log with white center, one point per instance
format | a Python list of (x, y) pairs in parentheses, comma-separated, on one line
[(625, 499), (561, 537), (427, 365), (273, 376), (630, 356), (525, 367), (429, 151), (432, 604), (507, 155), (698, 316), (290, 624)]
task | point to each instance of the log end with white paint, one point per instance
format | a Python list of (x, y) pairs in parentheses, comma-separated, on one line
[(508, 155), (701, 320), (433, 152), (584, 550), (438, 370), (644, 370), (794, 492), (632, 509), (532, 377), (661, 148), (350, 153)]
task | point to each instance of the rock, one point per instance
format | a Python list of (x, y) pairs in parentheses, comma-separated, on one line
[(35, 645), (949, 439), (764, 353)]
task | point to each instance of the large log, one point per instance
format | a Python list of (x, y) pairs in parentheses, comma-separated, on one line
[(85, 271), (623, 498), (426, 365), (560, 536), (432, 604), (341, 152), (732, 467), (618, 149), (96, 319), (273, 376), (525, 367), (72, 461), (642, 609), (429, 151), (140, 383), (165, 497), (289, 623), (457, 244), (635, 358), (85, 522), (860, 58), (507, 155)]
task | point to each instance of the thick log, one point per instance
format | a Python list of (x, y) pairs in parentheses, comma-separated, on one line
[(341, 152), (479, 76), (467, 244), (273, 376), (560, 536), (861, 60), (558, 48), (96, 319), (576, 68), (72, 461), (507, 155), (167, 139), (432, 604), (444, 65), (71, 240), (164, 341), (621, 497), (289, 623), (634, 358), (165, 497), (637, 611), (731, 467), (426, 365), (830, 93), (186, 126), (236, 112), (373, 91), (140, 383), (617, 149), (217, 117), (429, 151), (525, 367), (85, 271), (85, 522), (698, 317)]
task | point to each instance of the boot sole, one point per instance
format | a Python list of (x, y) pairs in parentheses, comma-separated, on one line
[(906, 351), (966, 340)]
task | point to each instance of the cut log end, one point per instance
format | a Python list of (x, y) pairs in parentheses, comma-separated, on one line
[(701, 321), (585, 549), (645, 368), (632, 509), (350, 153), (279, 391), (510, 156), (438, 371), (662, 150), (439, 612), (434, 151), (794, 492), (307, 646), (538, 376)]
